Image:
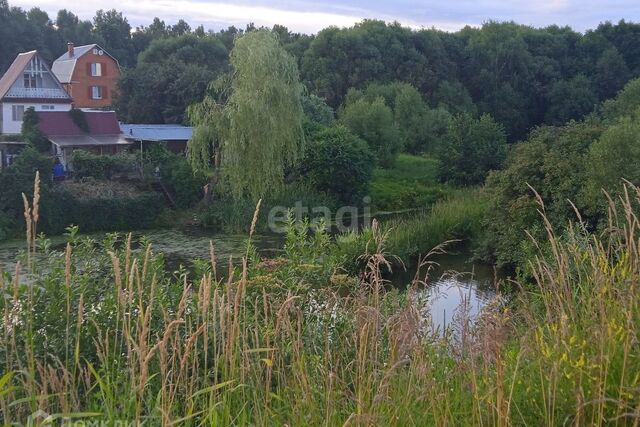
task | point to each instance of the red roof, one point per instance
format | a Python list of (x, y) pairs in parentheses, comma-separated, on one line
[(60, 123)]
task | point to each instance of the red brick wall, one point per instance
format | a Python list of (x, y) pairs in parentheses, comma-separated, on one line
[(82, 81)]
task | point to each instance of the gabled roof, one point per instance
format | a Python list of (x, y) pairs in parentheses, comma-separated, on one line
[(60, 123), (15, 71), (161, 132), (63, 66)]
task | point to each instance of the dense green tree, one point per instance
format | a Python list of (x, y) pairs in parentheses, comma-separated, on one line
[(471, 149), (611, 73), (339, 163), (317, 112), (171, 74), (373, 121), (338, 59), (614, 157), (114, 31), (570, 99)]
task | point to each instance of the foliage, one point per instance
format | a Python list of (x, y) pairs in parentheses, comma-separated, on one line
[(260, 124), (551, 162), (86, 164), (31, 133), (373, 122), (339, 163), (614, 156), (171, 74), (316, 111), (228, 215), (289, 322), (18, 178), (471, 148), (569, 100), (79, 119), (98, 205), (572, 163), (459, 216), (410, 184), (411, 116)]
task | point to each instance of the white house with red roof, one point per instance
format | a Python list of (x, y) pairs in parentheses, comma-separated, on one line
[(29, 82)]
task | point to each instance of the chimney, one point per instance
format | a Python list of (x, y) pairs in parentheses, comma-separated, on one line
[(70, 49)]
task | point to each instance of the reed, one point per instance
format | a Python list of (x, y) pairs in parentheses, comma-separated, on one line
[(107, 335)]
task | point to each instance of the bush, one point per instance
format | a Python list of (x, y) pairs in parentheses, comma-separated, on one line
[(98, 166), (339, 163), (184, 184), (137, 210)]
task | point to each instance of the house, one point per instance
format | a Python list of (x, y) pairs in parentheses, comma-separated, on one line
[(29, 83), (174, 136), (103, 136), (89, 74)]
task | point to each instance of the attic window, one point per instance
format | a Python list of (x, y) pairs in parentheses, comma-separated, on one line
[(30, 81)]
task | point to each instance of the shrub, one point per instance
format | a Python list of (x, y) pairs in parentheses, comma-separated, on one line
[(99, 166), (339, 163)]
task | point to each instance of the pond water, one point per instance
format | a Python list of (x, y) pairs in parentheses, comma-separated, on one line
[(451, 284)]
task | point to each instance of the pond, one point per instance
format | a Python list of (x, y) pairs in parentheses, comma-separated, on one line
[(452, 283)]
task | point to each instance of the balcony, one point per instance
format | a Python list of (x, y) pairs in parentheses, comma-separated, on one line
[(39, 93)]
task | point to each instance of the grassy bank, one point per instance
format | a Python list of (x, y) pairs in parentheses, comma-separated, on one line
[(411, 183), (107, 335)]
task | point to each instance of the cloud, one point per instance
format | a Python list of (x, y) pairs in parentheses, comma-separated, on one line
[(311, 16), (221, 14)]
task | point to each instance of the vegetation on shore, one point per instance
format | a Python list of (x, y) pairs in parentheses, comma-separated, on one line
[(103, 333)]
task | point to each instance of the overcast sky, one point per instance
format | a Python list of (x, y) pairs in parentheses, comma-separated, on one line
[(311, 16)]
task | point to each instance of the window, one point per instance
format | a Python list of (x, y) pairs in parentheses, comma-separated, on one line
[(96, 92), (30, 81), (17, 111), (96, 69), (47, 107)]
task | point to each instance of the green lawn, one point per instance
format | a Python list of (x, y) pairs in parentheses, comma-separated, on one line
[(410, 183)]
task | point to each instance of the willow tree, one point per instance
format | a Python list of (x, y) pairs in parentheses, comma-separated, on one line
[(254, 118)]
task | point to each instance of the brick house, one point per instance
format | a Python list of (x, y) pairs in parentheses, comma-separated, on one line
[(89, 74), (29, 83)]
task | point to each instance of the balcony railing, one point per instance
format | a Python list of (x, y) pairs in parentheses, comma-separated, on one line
[(44, 93)]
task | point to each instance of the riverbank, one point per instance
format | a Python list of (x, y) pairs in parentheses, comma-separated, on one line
[(111, 337)]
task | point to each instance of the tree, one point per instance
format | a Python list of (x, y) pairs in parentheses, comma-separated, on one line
[(338, 162), (471, 148), (615, 156), (171, 74), (569, 100), (260, 124), (115, 32), (373, 121), (611, 73)]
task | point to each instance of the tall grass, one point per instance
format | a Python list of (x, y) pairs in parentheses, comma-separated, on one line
[(105, 335)]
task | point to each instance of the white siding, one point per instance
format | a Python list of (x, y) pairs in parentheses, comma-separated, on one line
[(10, 126)]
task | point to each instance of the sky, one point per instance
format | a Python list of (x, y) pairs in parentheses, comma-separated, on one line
[(311, 16)]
